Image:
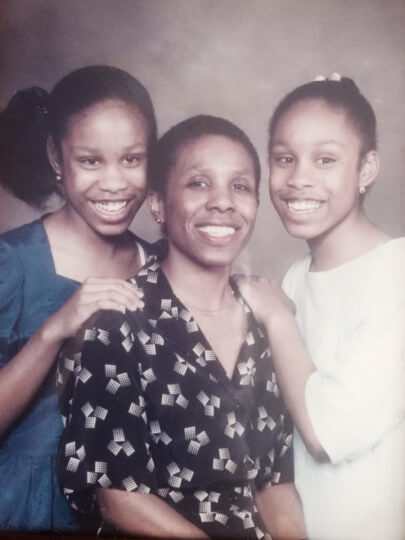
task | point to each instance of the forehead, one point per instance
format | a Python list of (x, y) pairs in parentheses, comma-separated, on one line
[(212, 149), (105, 115), (313, 119)]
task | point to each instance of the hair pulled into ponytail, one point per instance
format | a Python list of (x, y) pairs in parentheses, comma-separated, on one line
[(33, 114), (341, 93), (24, 128)]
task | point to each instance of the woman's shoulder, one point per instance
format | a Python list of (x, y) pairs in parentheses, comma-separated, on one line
[(382, 268), (157, 248), (13, 243), (25, 257), (393, 251), (300, 265), (24, 236), (386, 269), (25, 247), (11, 275), (295, 272)]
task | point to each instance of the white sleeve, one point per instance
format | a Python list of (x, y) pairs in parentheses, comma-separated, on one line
[(354, 405), (293, 276)]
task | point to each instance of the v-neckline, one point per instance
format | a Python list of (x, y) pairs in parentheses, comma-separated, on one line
[(140, 251), (50, 258), (202, 339)]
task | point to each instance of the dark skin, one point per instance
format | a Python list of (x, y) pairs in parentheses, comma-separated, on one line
[(102, 154), (199, 208)]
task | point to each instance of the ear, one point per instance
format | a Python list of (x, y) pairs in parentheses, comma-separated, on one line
[(53, 155), (156, 206), (370, 166)]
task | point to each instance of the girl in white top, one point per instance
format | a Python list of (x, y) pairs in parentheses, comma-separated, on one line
[(342, 368)]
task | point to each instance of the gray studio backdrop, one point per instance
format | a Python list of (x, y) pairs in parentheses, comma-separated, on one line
[(233, 58)]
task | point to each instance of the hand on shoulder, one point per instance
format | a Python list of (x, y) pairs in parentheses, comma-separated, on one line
[(264, 296), (93, 295)]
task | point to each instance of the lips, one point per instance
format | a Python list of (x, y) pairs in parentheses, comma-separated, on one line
[(110, 208), (303, 205), (217, 231), (217, 234)]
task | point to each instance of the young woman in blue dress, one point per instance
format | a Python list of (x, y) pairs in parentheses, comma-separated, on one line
[(89, 140)]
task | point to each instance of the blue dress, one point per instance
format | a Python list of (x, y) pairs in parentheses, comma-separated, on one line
[(30, 291)]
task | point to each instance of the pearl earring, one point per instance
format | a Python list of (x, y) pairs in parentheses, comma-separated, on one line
[(362, 190), (59, 178), (158, 220)]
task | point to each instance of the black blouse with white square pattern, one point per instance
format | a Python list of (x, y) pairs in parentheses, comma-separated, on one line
[(149, 408)]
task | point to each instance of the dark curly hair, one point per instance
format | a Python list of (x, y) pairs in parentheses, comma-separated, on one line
[(33, 114)]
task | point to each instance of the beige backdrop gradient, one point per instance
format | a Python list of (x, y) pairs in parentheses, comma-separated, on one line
[(233, 58)]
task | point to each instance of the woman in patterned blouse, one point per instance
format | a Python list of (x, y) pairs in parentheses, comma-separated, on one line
[(174, 422)]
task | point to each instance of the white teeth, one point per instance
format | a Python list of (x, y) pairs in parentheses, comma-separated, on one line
[(110, 206), (303, 206), (217, 230)]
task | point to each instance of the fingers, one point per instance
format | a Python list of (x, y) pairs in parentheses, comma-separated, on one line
[(93, 295), (246, 278), (264, 296), (242, 280), (87, 310), (118, 291)]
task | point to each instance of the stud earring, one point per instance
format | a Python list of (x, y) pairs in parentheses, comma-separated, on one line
[(59, 178), (362, 190), (158, 220)]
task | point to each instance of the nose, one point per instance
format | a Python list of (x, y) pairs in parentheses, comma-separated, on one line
[(221, 199), (300, 175), (112, 179)]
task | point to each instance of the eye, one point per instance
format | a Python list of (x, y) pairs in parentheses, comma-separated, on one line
[(90, 162), (282, 159), (242, 186), (132, 160), (198, 182), (325, 160)]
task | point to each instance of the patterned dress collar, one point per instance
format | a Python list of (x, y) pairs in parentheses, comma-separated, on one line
[(169, 318)]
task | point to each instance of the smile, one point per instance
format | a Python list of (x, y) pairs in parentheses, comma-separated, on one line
[(306, 205), (217, 231), (110, 207)]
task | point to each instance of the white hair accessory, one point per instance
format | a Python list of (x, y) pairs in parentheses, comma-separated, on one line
[(332, 77)]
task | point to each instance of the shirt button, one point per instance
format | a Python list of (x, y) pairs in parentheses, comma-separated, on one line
[(237, 405)]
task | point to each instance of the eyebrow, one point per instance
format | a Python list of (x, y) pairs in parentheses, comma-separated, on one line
[(318, 143), (132, 147), (201, 168)]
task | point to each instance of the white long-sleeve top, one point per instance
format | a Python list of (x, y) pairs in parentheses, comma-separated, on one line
[(352, 318)]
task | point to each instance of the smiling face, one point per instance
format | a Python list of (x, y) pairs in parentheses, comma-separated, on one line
[(102, 160), (210, 203), (316, 170)]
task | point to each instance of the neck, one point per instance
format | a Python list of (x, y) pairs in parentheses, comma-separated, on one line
[(79, 252), (205, 289), (347, 241), (85, 236)]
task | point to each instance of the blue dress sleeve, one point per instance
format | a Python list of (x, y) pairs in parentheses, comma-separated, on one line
[(11, 280)]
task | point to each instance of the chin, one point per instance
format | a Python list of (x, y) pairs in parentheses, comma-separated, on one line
[(217, 262), (111, 229), (300, 232)]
